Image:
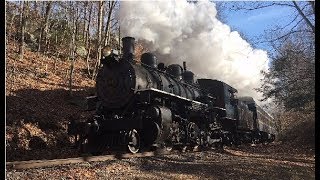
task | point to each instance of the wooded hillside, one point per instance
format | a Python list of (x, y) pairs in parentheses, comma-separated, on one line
[(52, 55)]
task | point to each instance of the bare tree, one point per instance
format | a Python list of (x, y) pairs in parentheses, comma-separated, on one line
[(111, 5), (73, 16), (85, 19), (304, 17), (100, 19), (77, 21), (23, 6), (44, 29), (291, 76), (10, 14), (87, 37)]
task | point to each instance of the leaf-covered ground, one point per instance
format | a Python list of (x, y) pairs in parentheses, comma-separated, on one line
[(234, 163), (38, 106)]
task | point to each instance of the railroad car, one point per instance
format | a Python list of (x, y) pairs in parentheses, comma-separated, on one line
[(259, 125)]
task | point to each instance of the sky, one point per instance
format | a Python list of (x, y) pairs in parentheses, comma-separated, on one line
[(253, 23)]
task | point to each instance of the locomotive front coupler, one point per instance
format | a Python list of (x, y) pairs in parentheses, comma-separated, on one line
[(76, 130), (81, 130), (93, 126)]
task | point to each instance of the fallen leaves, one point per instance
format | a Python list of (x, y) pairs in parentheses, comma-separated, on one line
[(36, 104), (208, 165)]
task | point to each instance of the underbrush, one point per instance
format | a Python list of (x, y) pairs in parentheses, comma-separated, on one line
[(298, 128)]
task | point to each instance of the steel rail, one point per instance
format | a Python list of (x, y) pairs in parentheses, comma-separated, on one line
[(56, 162)]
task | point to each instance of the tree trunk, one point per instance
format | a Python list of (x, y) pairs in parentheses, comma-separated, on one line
[(22, 28), (72, 46), (304, 17), (44, 29), (77, 23), (100, 18), (10, 28), (35, 6), (87, 39), (85, 20), (88, 27), (41, 30), (107, 31), (46, 23), (87, 60)]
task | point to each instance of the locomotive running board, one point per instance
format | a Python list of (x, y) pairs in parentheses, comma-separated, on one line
[(171, 95), (86, 103)]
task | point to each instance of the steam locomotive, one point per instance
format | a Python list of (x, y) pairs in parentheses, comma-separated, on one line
[(148, 104)]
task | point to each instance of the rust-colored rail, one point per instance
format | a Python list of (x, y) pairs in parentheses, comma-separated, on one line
[(55, 162)]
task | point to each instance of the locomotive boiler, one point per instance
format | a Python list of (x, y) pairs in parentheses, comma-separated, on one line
[(120, 79)]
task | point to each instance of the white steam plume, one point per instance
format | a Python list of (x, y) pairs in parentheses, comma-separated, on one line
[(179, 31)]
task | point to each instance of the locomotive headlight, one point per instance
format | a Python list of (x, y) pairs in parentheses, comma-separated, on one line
[(106, 51)]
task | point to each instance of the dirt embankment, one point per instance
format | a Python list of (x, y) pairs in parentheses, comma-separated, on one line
[(37, 106)]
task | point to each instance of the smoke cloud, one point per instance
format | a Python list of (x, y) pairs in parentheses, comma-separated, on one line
[(178, 31)]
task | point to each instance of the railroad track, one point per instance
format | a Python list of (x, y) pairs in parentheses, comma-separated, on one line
[(114, 156), (56, 162)]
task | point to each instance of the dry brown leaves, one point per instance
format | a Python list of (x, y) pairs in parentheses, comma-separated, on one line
[(36, 99), (234, 164)]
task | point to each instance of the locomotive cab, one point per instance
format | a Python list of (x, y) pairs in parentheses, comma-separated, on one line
[(225, 94), (226, 102)]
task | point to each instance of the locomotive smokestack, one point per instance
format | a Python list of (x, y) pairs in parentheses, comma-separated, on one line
[(184, 66), (128, 48)]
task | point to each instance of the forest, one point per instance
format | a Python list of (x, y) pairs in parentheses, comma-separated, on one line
[(53, 52)]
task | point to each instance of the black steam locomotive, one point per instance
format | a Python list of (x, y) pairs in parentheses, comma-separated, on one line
[(146, 104)]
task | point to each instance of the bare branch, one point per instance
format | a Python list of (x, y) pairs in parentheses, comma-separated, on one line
[(260, 6), (313, 6), (304, 16), (294, 19)]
